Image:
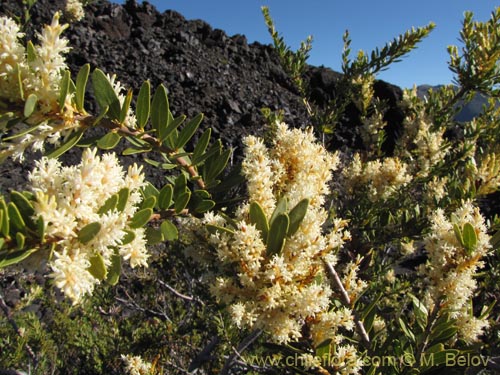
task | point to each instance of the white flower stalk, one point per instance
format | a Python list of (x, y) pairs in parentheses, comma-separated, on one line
[(68, 199), (454, 258), (45, 70), (74, 10), (12, 59), (381, 178), (280, 291), (40, 73)]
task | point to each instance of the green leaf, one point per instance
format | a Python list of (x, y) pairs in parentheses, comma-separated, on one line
[(81, 84), (2, 241), (128, 238), (420, 312), (406, 330), (22, 132), (323, 350), (150, 190), (23, 204), (182, 201), (469, 238), (64, 88), (31, 51), (5, 228), (88, 232), (108, 141), (149, 202), (123, 196), (114, 269), (281, 208), (204, 206), (105, 94), (125, 106), (171, 130), (143, 106), (165, 197), (188, 131), (153, 236), (218, 166), (159, 111), (277, 234), (132, 151), (30, 105), (97, 267), (201, 146), (19, 81), (20, 239), (458, 234), (169, 231), (9, 257), (296, 215), (258, 217), (180, 185), (109, 204), (141, 218), (213, 229), (16, 220), (72, 141)]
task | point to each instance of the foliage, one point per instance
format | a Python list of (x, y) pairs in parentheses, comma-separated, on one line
[(361, 262)]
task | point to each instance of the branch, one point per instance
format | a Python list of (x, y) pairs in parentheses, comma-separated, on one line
[(347, 302)]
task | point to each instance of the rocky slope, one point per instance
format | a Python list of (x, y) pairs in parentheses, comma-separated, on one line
[(204, 69)]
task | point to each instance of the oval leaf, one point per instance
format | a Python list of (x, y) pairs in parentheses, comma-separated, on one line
[(277, 234), (469, 238), (97, 267), (149, 202), (201, 146), (165, 197), (109, 204), (182, 201), (81, 84), (64, 88), (204, 206), (143, 105), (123, 196), (188, 131), (296, 215), (114, 269), (88, 232), (105, 94), (30, 105), (15, 218), (109, 141), (72, 140), (258, 217), (169, 231), (159, 111), (9, 257), (141, 218), (128, 238)]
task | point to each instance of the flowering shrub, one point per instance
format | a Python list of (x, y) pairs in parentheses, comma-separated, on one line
[(317, 260)]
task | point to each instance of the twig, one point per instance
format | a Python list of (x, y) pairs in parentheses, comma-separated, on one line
[(12, 322), (346, 300), (177, 293), (247, 341)]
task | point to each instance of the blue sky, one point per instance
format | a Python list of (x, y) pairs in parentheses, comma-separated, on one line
[(371, 24)]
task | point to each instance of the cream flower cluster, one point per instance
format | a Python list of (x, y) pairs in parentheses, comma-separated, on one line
[(135, 365), (421, 143), (453, 263), (38, 71), (69, 198), (381, 178), (280, 292), (74, 10)]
